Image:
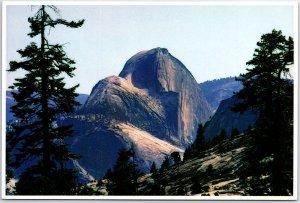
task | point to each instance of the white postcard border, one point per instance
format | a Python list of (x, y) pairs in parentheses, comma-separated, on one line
[(152, 3)]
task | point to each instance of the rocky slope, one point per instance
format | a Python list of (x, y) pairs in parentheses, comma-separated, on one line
[(226, 163), (222, 170), (116, 99), (99, 140), (154, 105), (218, 171), (220, 89), (226, 119)]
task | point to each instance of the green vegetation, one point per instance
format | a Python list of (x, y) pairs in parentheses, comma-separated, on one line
[(41, 96), (201, 144), (176, 157), (234, 132), (153, 169), (268, 89), (196, 185), (198, 146), (123, 177)]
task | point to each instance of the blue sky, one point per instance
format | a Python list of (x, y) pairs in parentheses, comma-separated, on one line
[(212, 41)]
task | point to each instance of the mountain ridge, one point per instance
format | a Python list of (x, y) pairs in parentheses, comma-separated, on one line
[(219, 89), (154, 96), (155, 105), (226, 119), (81, 98)]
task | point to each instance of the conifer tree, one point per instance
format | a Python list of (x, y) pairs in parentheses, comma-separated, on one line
[(196, 185), (199, 143), (268, 89), (188, 153), (223, 135), (109, 174), (234, 132), (176, 157), (219, 138), (165, 164), (41, 97), (125, 174), (153, 169)]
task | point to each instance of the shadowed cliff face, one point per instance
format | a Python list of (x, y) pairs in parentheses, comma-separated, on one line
[(118, 100), (159, 73), (154, 105), (154, 92), (226, 119)]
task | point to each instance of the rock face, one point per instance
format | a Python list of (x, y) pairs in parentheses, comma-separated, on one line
[(219, 94), (154, 92), (154, 105), (165, 78), (147, 147), (117, 100), (217, 90), (99, 140), (226, 119), (223, 178)]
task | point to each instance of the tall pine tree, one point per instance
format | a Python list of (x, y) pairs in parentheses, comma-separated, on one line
[(41, 97), (199, 143), (125, 174), (268, 89)]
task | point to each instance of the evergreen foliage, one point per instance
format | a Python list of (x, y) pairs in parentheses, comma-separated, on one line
[(124, 174), (60, 181), (223, 135), (188, 153), (218, 138), (109, 174), (198, 146), (196, 185), (268, 89), (209, 170), (165, 164), (41, 96), (157, 189), (154, 170), (200, 143), (234, 132), (82, 189), (181, 191), (176, 157)]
